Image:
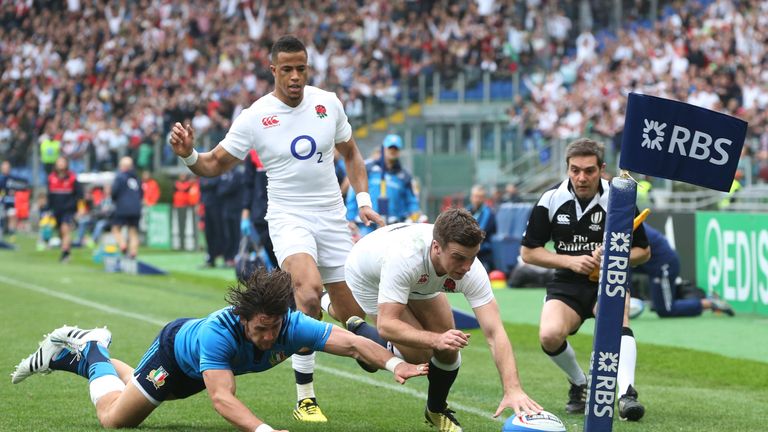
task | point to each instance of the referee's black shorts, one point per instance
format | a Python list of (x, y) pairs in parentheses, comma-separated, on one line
[(579, 296)]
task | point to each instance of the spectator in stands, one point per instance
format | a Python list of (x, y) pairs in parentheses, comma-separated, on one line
[(511, 194), (663, 270), (9, 185), (64, 192), (50, 146), (150, 189), (486, 219), (403, 204), (127, 198)]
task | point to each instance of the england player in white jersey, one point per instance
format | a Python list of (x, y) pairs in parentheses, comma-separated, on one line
[(400, 275), (294, 130)]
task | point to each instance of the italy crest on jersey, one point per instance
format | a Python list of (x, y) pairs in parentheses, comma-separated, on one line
[(157, 377)]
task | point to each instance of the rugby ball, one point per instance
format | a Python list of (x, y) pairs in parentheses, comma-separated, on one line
[(636, 307), (543, 421)]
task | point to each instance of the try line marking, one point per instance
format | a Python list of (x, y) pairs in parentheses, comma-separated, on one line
[(158, 322)]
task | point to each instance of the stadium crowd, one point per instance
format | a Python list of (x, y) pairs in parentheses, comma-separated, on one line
[(105, 78)]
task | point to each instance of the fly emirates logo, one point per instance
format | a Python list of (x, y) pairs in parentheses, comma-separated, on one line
[(685, 142)]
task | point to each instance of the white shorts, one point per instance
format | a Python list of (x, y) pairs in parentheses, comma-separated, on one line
[(323, 234), (366, 293)]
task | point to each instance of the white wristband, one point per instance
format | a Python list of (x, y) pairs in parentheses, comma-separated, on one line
[(364, 200), (392, 363), (191, 160), (264, 428)]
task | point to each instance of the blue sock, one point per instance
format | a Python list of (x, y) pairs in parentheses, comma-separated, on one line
[(370, 332), (94, 362), (97, 358), (67, 361)]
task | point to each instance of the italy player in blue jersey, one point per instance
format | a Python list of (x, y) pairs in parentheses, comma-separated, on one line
[(259, 330)]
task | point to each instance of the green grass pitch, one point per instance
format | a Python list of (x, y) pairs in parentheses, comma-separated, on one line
[(683, 389)]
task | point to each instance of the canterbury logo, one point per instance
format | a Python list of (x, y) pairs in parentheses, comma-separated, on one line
[(270, 121), (563, 219)]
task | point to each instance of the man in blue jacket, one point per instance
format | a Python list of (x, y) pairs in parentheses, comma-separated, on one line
[(254, 206), (126, 196), (487, 220), (402, 201)]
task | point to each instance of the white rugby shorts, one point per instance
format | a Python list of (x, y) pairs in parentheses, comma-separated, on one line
[(323, 234)]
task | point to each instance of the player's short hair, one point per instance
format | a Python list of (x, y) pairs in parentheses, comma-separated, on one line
[(262, 292), (457, 225), (585, 147), (287, 43)]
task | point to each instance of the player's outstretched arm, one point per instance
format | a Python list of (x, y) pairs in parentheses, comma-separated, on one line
[(514, 397), (221, 389), (207, 164), (358, 178), (395, 330), (345, 343)]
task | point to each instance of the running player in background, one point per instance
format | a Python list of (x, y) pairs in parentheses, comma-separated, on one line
[(400, 276), (294, 130), (573, 216), (256, 332)]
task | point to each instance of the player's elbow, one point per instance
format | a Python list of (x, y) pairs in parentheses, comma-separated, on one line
[(526, 255), (642, 256), (386, 331)]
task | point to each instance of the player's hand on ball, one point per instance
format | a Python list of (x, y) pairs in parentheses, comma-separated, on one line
[(519, 402), (405, 370), (452, 340), (182, 139), (368, 215)]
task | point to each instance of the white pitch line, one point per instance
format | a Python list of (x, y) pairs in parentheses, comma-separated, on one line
[(147, 319)]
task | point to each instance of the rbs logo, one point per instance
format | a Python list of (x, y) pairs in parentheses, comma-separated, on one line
[(696, 145)]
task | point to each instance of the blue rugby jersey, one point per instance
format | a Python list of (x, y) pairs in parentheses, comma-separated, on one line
[(218, 342)]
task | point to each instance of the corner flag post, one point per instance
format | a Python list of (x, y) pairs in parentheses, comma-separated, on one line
[(613, 288), (667, 139)]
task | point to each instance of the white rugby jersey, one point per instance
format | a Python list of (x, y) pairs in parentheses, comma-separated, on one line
[(395, 259), (295, 145)]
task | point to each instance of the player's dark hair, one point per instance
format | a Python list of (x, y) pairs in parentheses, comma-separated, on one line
[(262, 292), (457, 225), (287, 43), (585, 147)]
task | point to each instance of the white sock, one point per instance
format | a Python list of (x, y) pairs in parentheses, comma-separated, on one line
[(447, 366), (103, 385), (304, 364), (305, 391), (627, 360), (566, 361), (325, 302)]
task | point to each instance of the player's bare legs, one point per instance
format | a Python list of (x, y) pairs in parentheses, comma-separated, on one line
[(123, 409), (558, 320), (343, 303), (308, 286), (435, 315), (124, 371)]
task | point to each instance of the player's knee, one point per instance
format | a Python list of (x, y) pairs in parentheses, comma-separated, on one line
[(447, 357), (109, 421), (550, 340)]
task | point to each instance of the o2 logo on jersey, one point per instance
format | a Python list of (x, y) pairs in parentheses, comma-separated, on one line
[(303, 147)]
